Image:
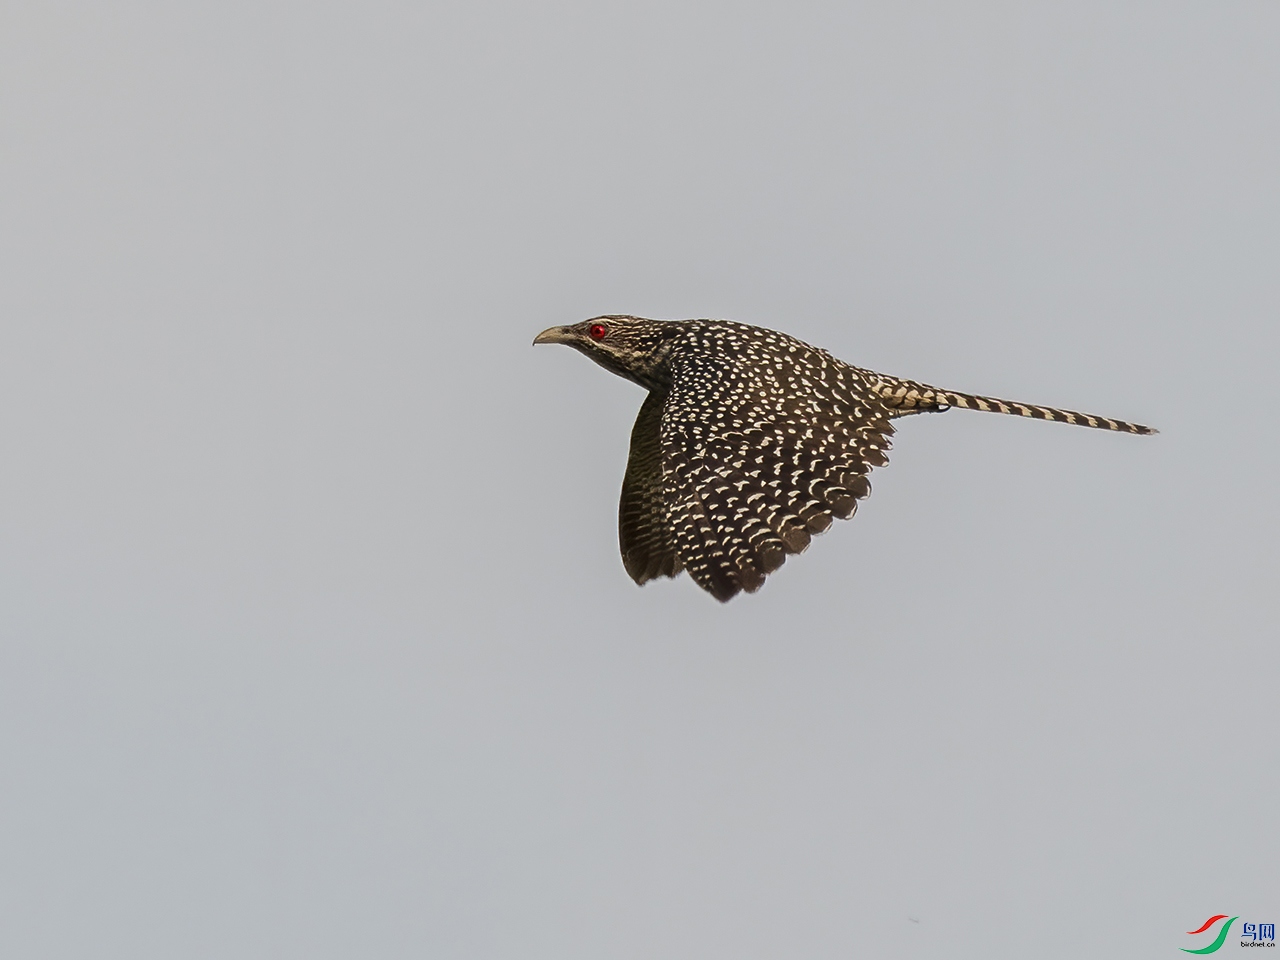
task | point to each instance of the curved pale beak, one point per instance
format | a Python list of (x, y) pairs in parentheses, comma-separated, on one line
[(555, 335)]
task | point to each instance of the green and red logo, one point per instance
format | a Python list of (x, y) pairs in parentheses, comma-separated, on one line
[(1251, 935), (1219, 940)]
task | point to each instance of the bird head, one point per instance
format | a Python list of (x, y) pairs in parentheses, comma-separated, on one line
[(631, 347)]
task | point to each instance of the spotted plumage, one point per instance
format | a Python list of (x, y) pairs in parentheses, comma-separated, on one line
[(751, 441)]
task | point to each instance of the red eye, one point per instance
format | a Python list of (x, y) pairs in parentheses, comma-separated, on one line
[(597, 331)]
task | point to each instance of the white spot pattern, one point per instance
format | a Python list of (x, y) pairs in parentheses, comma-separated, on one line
[(764, 440), (751, 441)]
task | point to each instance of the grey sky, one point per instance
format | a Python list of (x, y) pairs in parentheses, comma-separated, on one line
[(314, 639)]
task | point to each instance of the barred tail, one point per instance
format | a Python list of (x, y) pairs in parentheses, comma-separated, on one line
[(992, 405), (906, 396)]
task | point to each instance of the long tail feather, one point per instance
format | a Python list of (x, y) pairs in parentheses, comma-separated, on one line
[(906, 396)]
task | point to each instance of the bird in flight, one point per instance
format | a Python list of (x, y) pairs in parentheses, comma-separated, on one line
[(751, 441)]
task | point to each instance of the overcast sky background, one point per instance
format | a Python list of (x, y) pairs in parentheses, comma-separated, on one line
[(314, 637)]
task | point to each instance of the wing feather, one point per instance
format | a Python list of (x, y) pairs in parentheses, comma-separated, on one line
[(648, 547), (749, 480)]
